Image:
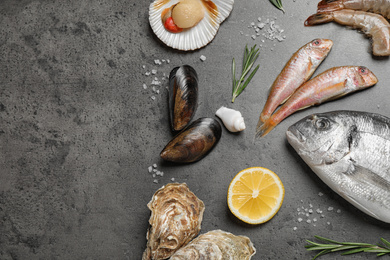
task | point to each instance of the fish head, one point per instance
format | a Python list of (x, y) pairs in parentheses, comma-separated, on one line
[(319, 139), (364, 77), (319, 48)]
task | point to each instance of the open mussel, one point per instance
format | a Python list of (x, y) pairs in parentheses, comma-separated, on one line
[(176, 216), (193, 142), (183, 96), (217, 244)]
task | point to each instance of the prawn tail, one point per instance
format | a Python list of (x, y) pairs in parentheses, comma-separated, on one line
[(329, 6), (263, 128), (319, 18)]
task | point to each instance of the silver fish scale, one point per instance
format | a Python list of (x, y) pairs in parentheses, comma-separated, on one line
[(362, 176)]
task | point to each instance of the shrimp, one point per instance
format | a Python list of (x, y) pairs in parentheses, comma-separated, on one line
[(371, 24), (298, 70), (381, 7), (331, 84)]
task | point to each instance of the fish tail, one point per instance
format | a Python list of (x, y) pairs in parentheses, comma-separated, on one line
[(329, 6), (319, 18), (263, 128)]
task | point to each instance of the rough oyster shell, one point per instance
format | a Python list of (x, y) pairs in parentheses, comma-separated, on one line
[(176, 216), (217, 244), (197, 36)]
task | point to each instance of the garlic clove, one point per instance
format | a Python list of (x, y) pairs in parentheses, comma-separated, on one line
[(232, 119)]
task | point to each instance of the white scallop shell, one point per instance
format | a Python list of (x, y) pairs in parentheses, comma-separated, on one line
[(193, 38)]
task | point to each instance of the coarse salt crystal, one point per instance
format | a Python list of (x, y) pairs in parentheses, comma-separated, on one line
[(295, 228), (144, 86), (173, 179), (300, 219), (147, 73), (154, 72), (330, 208), (153, 97), (202, 57), (155, 181), (150, 168), (154, 165)]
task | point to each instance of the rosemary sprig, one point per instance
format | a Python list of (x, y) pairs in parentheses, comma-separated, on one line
[(278, 4), (349, 248), (250, 57)]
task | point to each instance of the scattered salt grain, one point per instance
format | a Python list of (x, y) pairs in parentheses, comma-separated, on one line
[(155, 181), (202, 57), (300, 219), (144, 86), (153, 97), (330, 208), (147, 73), (173, 179), (157, 62), (154, 72), (308, 221), (295, 228), (154, 165), (338, 211), (150, 169), (320, 193)]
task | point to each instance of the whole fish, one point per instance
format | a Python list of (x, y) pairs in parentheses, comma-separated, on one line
[(373, 25), (350, 152), (331, 84), (298, 70), (380, 7)]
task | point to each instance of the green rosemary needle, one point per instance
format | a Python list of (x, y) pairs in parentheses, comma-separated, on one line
[(278, 4), (250, 57), (348, 247)]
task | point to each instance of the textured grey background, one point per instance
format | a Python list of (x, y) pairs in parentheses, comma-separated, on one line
[(78, 131)]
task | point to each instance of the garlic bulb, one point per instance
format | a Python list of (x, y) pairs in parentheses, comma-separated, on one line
[(232, 119)]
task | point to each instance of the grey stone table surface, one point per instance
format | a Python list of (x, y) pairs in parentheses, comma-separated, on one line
[(84, 115)]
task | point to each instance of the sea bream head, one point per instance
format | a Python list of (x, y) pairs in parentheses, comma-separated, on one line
[(320, 139)]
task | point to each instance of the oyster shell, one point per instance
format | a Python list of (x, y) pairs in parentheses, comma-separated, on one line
[(201, 34), (194, 142), (217, 244), (176, 216)]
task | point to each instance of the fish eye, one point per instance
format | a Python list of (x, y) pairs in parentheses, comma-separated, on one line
[(363, 70), (316, 42), (321, 123)]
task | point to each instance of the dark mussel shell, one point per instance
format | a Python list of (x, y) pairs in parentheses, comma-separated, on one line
[(183, 96), (194, 142)]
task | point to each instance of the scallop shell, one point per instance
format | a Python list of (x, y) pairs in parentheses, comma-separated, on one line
[(217, 244), (176, 216), (199, 35)]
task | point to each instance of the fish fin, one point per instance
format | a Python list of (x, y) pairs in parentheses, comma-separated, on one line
[(329, 6), (264, 128), (339, 87), (319, 18), (366, 176)]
